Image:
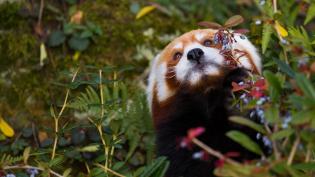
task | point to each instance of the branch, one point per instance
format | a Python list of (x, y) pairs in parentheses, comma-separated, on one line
[(213, 152), (293, 150), (110, 170)]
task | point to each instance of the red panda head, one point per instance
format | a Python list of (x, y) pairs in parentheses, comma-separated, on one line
[(194, 60)]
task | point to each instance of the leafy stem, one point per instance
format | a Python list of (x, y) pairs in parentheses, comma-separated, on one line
[(56, 118)]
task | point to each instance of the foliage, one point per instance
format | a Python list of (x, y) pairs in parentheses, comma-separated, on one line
[(71, 119)]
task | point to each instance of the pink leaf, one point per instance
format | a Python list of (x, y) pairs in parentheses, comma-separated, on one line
[(194, 132)]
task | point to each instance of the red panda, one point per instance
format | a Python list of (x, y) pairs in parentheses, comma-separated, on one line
[(190, 86)]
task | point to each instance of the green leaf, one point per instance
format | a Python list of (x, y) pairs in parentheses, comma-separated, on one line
[(26, 154), (27, 132), (245, 141), (156, 169), (282, 134), (52, 112), (71, 2), (266, 36), (272, 114), (133, 144), (86, 34), (68, 28), (43, 54), (305, 166), (57, 161), (90, 148), (78, 44), (248, 123), (284, 67), (67, 172), (274, 85), (56, 38), (310, 13), (295, 173), (305, 85), (303, 117)]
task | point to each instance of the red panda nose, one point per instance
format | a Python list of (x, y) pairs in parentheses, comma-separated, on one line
[(195, 55)]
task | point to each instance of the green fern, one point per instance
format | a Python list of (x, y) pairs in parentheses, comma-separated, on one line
[(87, 102), (7, 160)]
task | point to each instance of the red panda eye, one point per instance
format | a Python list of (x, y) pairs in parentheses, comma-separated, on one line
[(177, 56), (207, 43)]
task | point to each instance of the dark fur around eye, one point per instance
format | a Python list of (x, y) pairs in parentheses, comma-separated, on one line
[(177, 56), (207, 43)]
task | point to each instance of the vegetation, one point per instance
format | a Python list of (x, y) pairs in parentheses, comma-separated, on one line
[(73, 74)]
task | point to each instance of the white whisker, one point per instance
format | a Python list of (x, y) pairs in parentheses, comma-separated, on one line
[(170, 77)]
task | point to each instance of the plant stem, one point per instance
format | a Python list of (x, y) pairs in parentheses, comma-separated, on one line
[(99, 127), (55, 140), (56, 119), (274, 144), (308, 155), (40, 15), (101, 94), (30, 167), (214, 152), (275, 9), (110, 170), (293, 150)]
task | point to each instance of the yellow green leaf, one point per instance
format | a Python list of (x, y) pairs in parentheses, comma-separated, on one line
[(76, 55), (26, 154), (5, 128), (145, 10), (43, 54), (281, 30)]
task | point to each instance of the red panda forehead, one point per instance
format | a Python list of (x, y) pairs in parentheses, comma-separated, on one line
[(179, 44)]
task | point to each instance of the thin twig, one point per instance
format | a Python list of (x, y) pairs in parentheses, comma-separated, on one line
[(293, 150), (274, 144), (40, 15), (30, 167), (213, 152), (275, 9), (110, 170), (99, 126), (56, 119), (34, 135), (101, 94), (308, 155)]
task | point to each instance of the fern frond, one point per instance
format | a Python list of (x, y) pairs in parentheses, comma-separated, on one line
[(7, 160)]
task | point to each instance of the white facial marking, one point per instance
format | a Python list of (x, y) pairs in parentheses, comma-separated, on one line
[(152, 80), (157, 78), (163, 92), (178, 46), (211, 70), (245, 45), (186, 71), (199, 36), (195, 77)]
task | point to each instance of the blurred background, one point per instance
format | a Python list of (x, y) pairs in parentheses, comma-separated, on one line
[(81, 66)]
